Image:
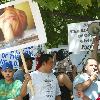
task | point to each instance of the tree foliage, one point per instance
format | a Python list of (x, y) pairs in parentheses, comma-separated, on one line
[(56, 14), (84, 3), (68, 11), (48, 4)]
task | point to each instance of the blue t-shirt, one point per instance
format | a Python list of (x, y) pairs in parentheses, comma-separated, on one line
[(19, 75), (91, 91)]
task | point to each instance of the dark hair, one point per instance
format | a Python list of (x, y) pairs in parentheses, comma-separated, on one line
[(60, 55), (43, 58), (53, 53), (26, 56)]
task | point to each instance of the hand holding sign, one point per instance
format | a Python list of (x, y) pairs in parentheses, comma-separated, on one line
[(26, 71)]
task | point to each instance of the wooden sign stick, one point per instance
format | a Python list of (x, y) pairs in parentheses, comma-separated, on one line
[(26, 71)]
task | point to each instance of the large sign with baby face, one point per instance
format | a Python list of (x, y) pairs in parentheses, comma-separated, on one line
[(78, 37), (21, 25)]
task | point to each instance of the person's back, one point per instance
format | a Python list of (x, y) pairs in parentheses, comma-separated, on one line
[(64, 81), (65, 85), (65, 93), (19, 75)]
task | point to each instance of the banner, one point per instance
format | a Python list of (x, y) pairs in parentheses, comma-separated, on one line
[(14, 55), (21, 25)]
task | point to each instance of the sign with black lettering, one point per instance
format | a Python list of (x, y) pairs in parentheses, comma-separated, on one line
[(14, 55), (79, 39)]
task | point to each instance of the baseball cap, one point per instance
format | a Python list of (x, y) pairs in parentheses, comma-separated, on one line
[(7, 65), (26, 56)]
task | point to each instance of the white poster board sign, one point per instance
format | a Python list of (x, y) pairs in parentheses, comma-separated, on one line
[(78, 37), (21, 25)]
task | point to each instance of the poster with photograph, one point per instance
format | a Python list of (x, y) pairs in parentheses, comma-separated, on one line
[(21, 25), (78, 37)]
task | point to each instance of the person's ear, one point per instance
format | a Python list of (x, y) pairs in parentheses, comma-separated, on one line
[(85, 68), (2, 73)]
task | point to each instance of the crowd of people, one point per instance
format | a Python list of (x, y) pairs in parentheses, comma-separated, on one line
[(62, 84)]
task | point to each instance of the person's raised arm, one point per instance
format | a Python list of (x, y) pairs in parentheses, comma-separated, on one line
[(24, 86), (84, 85), (95, 47)]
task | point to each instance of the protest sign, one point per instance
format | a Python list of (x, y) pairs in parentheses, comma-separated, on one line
[(21, 25), (79, 39), (14, 55)]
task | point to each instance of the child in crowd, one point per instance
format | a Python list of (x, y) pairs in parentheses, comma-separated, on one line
[(9, 89)]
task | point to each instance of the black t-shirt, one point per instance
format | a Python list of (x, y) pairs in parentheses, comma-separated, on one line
[(65, 93)]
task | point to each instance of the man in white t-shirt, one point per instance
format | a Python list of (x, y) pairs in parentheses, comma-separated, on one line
[(44, 81)]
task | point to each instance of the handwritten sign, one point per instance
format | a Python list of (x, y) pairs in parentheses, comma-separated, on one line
[(79, 39), (14, 55)]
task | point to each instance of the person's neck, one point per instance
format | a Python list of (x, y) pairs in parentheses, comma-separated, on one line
[(43, 70), (9, 81)]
